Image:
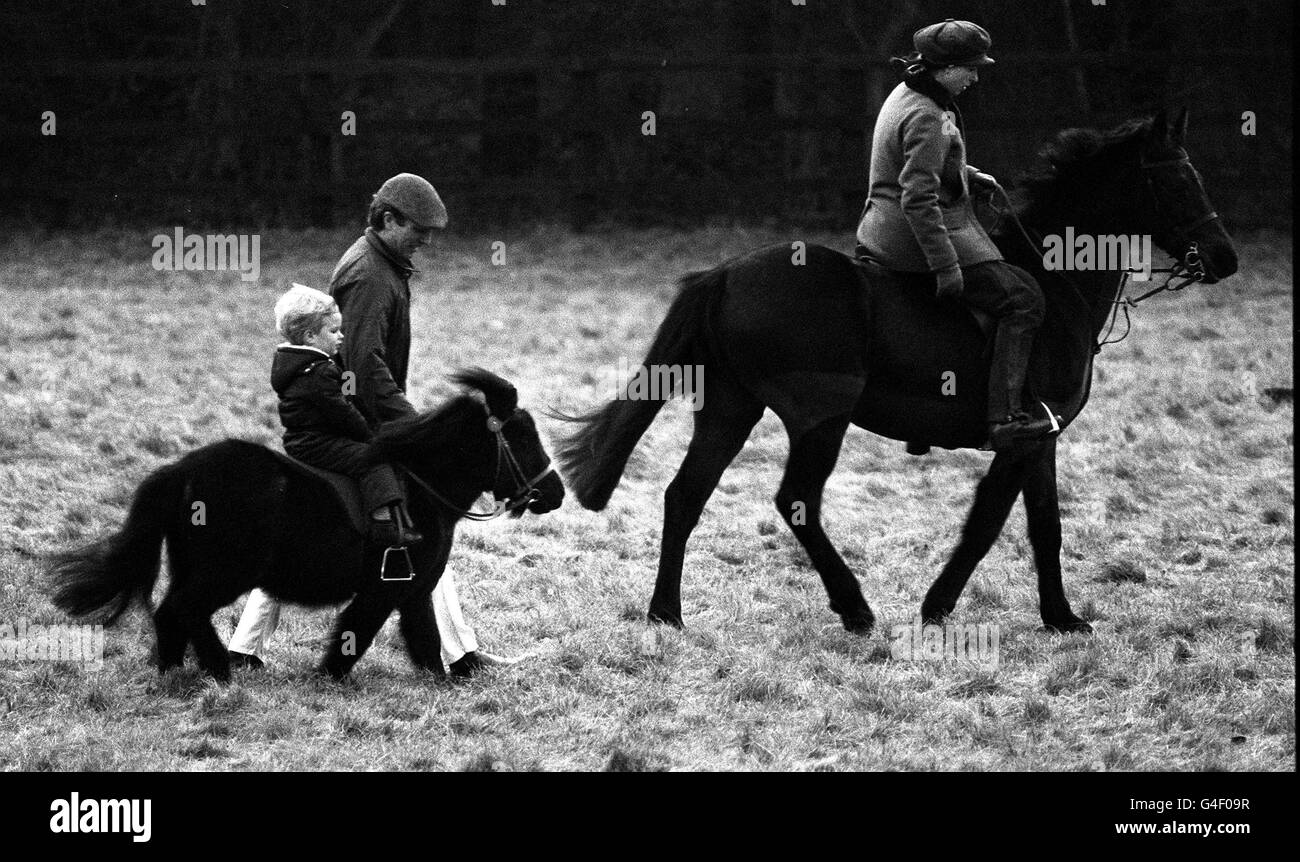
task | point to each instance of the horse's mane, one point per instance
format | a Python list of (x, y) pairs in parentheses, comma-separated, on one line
[(1068, 149)]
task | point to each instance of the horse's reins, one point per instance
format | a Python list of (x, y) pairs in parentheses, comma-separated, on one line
[(525, 488), (1190, 268)]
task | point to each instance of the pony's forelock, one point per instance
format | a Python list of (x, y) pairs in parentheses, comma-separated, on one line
[(500, 394)]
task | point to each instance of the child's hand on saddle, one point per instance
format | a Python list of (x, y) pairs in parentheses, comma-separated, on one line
[(950, 283)]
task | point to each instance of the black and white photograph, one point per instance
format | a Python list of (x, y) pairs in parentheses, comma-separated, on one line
[(746, 386)]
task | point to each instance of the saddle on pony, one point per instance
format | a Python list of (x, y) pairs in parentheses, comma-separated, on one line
[(347, 491), (344, 488)]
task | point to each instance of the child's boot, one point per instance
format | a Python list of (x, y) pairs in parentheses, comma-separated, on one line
[(391, 526)]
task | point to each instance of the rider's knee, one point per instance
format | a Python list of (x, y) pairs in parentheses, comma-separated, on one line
[(1027, 296)]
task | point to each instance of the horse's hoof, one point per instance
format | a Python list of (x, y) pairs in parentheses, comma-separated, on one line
[(674, 620), (860, 624), (935, 614), (1072, 626)]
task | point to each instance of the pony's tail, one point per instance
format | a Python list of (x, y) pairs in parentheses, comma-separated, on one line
[(100, 580), (593, 458)]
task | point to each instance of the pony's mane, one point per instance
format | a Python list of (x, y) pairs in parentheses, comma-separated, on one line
[(1068, 149), (433, 427), (424, 429)]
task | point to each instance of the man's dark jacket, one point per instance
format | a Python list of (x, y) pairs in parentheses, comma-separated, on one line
[(370, 285)]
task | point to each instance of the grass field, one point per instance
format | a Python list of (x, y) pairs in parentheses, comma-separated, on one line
[(1177, 498)]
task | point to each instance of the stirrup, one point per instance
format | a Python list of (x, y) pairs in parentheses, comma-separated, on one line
[(1055, 419), (383, 565)]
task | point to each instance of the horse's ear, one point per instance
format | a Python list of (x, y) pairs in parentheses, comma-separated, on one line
[(1160, 126), (1179, 133)]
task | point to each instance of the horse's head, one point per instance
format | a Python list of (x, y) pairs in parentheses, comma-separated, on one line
[(522, 475), (1175, 208), (1135, 179)]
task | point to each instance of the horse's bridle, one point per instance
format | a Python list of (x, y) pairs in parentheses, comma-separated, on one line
[(1190, 267), (525, 489)]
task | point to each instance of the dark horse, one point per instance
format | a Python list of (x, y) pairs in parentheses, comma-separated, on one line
[(824, 345), (267, 523)]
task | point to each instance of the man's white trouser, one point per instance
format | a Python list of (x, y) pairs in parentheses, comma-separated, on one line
[(262, 615)]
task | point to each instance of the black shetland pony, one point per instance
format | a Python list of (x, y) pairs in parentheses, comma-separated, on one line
[(825, 345), (267, 523)]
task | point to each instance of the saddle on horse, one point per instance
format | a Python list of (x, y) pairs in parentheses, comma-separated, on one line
[(945, 353)]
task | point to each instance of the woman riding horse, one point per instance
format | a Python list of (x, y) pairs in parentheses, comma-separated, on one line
[(918, 216)]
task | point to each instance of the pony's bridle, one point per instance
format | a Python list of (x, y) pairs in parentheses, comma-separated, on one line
[(525, 488)]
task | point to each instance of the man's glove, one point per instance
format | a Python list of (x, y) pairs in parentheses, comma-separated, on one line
[(950, 283), (981, 180)]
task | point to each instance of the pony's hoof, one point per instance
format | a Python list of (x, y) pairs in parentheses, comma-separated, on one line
[(1072, 626), (668, 619), (333, 673), (861, 624)]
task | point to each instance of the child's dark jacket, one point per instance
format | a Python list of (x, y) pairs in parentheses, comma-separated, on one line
[(312, 403), (322, 428)]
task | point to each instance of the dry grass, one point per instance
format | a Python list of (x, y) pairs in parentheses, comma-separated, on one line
[(1176, 491)]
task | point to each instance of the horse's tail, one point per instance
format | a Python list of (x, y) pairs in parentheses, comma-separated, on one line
[(594, 456), (100, 580)]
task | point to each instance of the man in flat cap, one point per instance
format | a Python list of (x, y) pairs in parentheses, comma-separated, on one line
[(919, 217), (371, 285)]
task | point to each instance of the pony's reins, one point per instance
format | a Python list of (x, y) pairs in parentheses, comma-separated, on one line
[(525, 492), (525, 489)]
